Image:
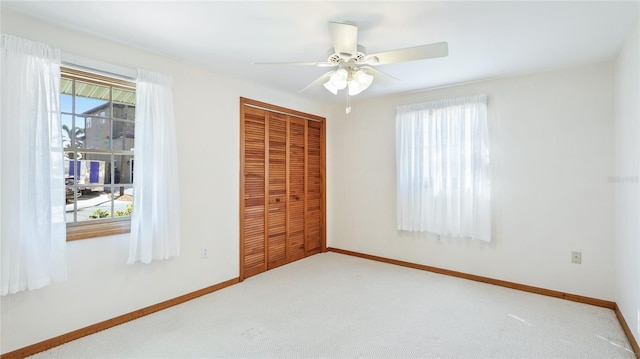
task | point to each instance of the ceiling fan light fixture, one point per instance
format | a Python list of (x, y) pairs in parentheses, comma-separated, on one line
[(354, 88), (354, 68), (329, 86), (360, 81), (339, 79)]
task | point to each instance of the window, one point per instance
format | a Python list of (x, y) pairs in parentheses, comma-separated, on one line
[(98, 134), (442, 164)]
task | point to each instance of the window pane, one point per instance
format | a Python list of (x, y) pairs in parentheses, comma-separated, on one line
[(91, 203), (123, 201), (72, 196), (67, 131), (124, 104), (79, 131), (94, 203), (66, 95), (123, 169), (97, 132), (90, 169), (123, 135), (69, 170), (92, 99), (86, 176)]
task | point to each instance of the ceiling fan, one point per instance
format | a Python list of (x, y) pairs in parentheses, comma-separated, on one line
[(354, 68)]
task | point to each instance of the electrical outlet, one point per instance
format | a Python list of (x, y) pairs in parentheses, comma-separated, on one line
[(204, 252), (576, 257)]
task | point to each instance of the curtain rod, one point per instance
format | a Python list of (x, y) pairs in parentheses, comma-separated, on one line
[(99, 67), (282, 113)]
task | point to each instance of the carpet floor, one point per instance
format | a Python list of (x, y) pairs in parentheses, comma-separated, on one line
[(336, 306)]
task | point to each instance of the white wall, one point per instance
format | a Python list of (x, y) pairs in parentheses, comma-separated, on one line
[(627, 188), (101, 285), (552, 150)]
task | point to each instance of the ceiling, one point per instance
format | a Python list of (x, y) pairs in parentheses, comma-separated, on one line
[(486, 39)]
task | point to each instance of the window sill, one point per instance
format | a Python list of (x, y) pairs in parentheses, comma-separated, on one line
[(102, 229)]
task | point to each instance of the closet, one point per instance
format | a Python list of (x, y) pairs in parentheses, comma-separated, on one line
[(282, 186)]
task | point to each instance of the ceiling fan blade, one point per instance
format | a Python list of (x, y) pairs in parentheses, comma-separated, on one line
[(319, 81), (344, 37), (379, 77), (317, 64), (422, 52)]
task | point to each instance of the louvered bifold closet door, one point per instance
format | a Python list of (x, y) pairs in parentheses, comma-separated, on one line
[(314, 206), (253, 183), (282, 211), (297, 189), (277, 214)]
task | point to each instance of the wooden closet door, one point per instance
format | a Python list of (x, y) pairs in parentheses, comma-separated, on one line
[(277, 213), (281, 186), (297, 189), (314, 198), (253, 191)]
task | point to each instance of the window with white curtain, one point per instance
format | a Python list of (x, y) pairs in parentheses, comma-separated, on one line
[(47, 129), (121, 161), (443, 168), (98, 114), (106, 124)]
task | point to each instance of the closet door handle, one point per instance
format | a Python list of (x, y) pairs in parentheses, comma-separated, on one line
[(297, 198), (278, 200)]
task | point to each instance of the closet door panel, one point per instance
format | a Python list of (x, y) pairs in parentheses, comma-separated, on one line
[(281, 186), (254, 123), (277, 217), (296, 217), (314, 217)]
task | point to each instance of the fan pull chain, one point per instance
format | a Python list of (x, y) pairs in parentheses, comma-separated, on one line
[(348, 109)]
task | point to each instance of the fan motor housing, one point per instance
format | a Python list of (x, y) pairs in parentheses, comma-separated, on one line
[(337, 58)]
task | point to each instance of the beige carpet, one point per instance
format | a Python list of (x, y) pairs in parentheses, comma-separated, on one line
[(336, 306)]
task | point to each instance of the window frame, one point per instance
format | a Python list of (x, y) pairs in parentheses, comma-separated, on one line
[(106, 226)]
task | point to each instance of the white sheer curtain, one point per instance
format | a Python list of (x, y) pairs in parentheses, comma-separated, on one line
[(155, 222), (32, 206), (442, 164)]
